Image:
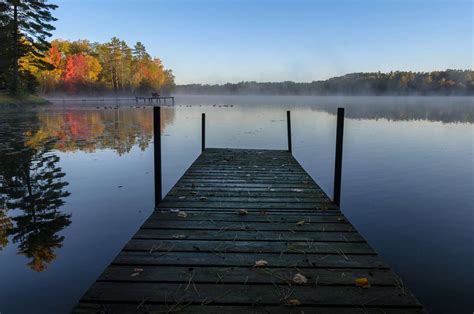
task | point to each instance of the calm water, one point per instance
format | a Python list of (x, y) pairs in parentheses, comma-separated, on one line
[(76, 183)]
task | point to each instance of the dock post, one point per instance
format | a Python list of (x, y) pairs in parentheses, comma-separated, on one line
[(338, 163), (157, 152), (203, 132), (288, 125)]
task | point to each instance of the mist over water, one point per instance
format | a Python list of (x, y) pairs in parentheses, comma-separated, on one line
[(407, 183)]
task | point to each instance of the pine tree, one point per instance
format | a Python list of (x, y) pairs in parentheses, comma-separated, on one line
[(25, 26)]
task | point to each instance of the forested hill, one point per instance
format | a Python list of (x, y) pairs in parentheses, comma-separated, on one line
[(449, 82)]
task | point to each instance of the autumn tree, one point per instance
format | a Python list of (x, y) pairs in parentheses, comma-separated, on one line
[(25, 27), (81, 66), (150, 74), (50, 79), (81, 72)]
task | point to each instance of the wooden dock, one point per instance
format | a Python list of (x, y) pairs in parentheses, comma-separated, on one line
[(159, 99), (153, 98), (248, 231)]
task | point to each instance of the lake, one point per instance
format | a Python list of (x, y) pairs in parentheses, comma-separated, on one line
[(76, 182)]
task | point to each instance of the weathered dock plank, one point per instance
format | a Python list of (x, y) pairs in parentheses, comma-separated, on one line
[(197, 252)]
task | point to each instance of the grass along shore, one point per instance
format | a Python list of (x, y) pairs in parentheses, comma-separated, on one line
[(6, 99)]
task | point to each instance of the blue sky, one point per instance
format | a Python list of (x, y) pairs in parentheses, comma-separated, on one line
[(217, 41)]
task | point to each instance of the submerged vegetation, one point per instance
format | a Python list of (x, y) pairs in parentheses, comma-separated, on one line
[(449, 82)]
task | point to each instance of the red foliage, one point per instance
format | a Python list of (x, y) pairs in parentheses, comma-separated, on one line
[(80, 70), (55, 57)]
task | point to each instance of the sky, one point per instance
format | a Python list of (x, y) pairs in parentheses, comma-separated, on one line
[(219, 41)]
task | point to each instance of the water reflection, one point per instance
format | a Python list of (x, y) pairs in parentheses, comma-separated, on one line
[(33, 186), (440, 109), (397, 176), (32, 189), (89, 130)]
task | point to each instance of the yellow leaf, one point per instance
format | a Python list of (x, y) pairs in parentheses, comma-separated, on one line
[(294, 302), (362, 282), (300, 223), (182, 214)]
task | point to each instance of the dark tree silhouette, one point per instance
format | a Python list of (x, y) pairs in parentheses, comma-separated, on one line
[(32, 183), (25, 26)]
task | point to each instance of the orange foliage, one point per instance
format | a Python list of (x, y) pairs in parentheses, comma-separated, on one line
[(80, 70)]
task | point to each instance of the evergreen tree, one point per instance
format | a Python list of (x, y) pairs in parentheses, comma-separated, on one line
[(25, 26)]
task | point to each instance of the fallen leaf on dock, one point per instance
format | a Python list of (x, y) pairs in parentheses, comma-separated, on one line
[(174, 210), (362, 282), (182, 214), (136, 272), (243, 212), (300, 279), (179, 236), (294, 302), (260, 263), (300, 223), (297, 190), (182, 197)]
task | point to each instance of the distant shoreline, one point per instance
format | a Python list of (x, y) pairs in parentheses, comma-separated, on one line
[(447, 82)]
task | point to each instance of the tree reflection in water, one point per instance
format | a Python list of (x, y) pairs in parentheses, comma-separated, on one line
[(33, 185), (32, 189)]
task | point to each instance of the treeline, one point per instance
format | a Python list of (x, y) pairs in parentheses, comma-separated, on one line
[(84, 67), (30, 63), (449, 82)]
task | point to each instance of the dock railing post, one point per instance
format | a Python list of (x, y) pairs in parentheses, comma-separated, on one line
[(203, 132), (338, 162), (157, 152), (288, 125)]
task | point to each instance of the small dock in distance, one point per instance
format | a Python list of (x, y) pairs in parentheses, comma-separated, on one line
[(155, 96), (247, 231)]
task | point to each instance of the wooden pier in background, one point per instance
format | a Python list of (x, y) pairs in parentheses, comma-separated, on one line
[(247, 231), (153, 98)]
